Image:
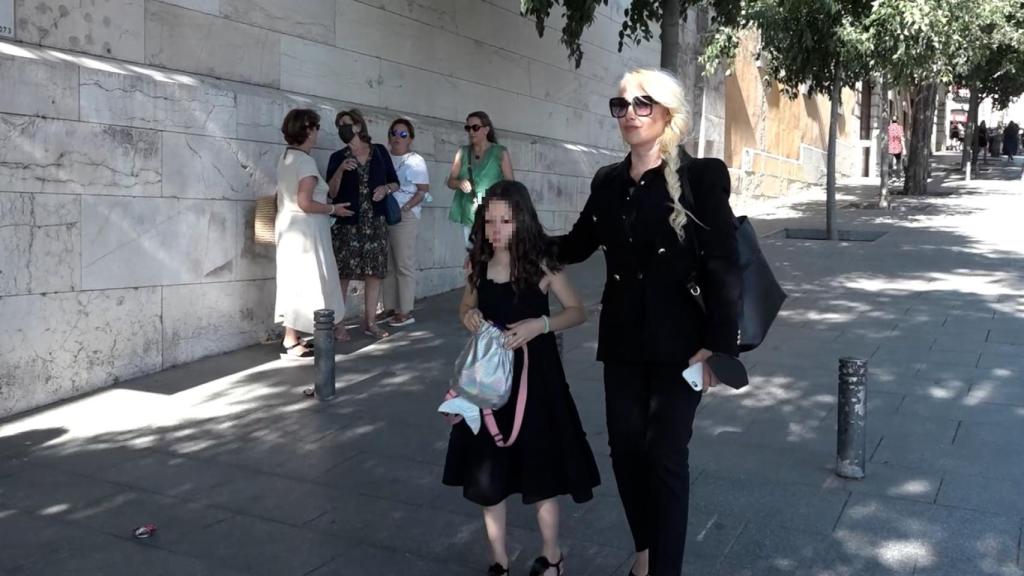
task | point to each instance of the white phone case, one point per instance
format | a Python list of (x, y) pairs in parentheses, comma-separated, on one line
[(694, 376)]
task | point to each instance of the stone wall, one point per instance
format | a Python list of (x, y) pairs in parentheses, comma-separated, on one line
[(773, 143), (139, 133)]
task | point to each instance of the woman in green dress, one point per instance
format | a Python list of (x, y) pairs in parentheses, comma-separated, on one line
[(476, 168)]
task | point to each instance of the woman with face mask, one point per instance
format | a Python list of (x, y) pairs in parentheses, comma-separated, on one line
[(477, 167), (651, 327), (361, 239)]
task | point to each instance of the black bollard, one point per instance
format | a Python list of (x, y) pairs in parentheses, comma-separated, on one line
[(851, 436), (323, 354)]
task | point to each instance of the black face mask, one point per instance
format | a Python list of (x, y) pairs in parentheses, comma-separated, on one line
[(346, 132)]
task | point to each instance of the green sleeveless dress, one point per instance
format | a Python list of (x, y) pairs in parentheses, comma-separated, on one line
[(485, 173)]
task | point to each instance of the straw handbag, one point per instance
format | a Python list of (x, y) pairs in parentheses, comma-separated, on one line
[(266, 214)]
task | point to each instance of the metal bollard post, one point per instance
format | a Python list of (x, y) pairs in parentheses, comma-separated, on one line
[(851, 436), (323, 354)]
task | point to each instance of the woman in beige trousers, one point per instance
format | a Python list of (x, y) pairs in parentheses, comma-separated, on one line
[(400, 283)]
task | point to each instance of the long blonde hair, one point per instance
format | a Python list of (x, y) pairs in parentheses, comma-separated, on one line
[(664, 88)]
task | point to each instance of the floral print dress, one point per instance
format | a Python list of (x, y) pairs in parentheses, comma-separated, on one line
[(361, 250)]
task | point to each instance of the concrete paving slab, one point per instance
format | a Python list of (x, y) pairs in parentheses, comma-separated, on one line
[(791, 505)]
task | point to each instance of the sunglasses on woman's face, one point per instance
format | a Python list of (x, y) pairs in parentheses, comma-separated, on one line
[(314, 126), (472, 127), (399, 133), (643, 106)]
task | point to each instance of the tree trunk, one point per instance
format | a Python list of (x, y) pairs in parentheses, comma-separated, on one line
[(830, 178), (970, 131), (916, 178), (883, 143), (671, 14)]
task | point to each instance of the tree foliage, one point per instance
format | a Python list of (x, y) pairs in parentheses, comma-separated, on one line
[(637, 27)]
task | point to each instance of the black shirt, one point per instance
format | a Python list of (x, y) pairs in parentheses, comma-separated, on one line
[(647, 313)]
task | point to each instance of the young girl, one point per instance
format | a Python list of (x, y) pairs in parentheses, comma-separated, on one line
[(509, 281)]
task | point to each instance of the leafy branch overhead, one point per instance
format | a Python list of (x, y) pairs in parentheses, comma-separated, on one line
[(636, 27)]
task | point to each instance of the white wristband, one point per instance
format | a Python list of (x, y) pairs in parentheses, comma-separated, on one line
[(331, 213), (547, 324)]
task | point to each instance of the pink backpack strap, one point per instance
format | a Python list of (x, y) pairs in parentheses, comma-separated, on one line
[(492, 424)]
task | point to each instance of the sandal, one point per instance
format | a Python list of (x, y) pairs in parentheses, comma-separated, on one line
[(497, 570), (400, 320), (292, 352), (375, 333), (541, 565)]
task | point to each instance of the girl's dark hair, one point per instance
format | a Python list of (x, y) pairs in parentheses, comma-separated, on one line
[(357, 120), (529, 248), (403, 122), (485, 120), (297, 125)]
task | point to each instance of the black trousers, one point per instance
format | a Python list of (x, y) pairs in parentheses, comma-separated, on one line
[(650, 410)]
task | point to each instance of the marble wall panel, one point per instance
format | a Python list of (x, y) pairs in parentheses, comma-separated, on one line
[(184, 39), (550, 192), (39, 87), (207, 6), (218, 168), (200, 106), (201, 320), (423, 92), (157, 241), (423, 46), (321, 70), (41, 155), (309, 19), (103, 27), (61, 345), (436, 13), (40, 238)]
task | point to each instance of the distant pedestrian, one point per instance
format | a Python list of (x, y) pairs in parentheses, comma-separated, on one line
[(1011, 140), (982, 139), (896, 143), (475, 169)]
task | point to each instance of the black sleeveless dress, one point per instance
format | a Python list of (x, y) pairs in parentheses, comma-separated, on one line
[(551, 457)]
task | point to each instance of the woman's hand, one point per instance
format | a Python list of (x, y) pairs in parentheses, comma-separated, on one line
[(466, 186), (710, 380), (520, 333), (472, 319), (349, 163), (380, 192), (341, 210)]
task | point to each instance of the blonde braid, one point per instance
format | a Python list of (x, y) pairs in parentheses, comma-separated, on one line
[(668, 144)]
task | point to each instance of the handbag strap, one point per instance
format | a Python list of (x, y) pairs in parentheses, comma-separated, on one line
[(517, 422)]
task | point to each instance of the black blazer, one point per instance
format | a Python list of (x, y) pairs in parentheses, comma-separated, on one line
[(647, 313), (382, 171)]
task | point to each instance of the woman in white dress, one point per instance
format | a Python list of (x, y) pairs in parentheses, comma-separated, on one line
[(307, 275)]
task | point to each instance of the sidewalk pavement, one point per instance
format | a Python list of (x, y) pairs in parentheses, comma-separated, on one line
[(242, 475)]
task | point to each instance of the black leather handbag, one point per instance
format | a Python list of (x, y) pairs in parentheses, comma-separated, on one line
[(762, 297)]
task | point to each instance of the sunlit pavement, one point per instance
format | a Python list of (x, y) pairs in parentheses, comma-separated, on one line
[(243, 475)]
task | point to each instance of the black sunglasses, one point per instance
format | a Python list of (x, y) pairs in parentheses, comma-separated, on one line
[(643, 106), (473, 127), (399, 133), (313, 126)]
